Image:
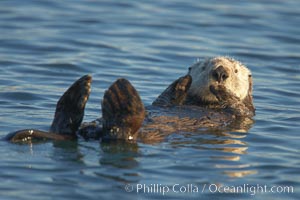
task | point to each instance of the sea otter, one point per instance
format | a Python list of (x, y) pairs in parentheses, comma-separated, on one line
[(216, 92)]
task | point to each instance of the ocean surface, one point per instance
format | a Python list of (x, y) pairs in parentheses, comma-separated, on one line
[(46, 45)]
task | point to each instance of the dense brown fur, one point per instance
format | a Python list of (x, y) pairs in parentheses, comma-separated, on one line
[(214, 93), (176, 93), (70, 107), (122, 111)]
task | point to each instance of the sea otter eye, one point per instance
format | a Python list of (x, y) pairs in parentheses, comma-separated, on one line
[(235, 71), (249, 75), (189, 68)]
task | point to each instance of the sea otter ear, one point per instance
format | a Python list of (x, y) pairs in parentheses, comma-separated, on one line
[(248, 101), (70, 107), (122, 111)]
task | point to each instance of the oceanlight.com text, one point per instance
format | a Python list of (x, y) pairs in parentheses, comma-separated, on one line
[(164, 189)]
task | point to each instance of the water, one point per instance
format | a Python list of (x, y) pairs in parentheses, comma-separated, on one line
[(46, 45)]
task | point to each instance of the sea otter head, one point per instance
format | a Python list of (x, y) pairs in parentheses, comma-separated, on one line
[(233, 75)]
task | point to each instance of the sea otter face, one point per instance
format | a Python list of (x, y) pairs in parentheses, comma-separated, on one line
[(219, 70)]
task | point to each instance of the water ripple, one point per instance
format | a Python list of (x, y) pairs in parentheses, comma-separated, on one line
[(47, 45)]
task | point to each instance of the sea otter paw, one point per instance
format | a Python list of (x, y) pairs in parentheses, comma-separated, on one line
[(122, 110), (226, 98), (176, 93), (221, 93), (180, 90), (229, 101)]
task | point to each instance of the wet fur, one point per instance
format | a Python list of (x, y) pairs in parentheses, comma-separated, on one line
[(70, 107), (197, 95), (122, 111), (176, 93)]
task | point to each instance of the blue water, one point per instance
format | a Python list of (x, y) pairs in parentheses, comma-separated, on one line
[(46, 45)]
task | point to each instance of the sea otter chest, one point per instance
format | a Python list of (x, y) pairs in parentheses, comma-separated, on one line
[(160, 122)]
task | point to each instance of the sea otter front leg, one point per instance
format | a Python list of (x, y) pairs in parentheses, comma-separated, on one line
[(68, 115), (122, 111), (230, 101), (176, 93)]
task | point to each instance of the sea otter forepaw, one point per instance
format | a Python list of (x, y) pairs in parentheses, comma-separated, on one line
[(183, 83), (181, 87), (220, 92)]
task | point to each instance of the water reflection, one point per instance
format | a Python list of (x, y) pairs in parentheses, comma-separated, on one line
[(120, 161), (222, 137), (226, 145), (67, 151), (240, 174), (119, 154)]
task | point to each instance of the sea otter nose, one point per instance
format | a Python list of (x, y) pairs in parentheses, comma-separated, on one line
[(220, 74)]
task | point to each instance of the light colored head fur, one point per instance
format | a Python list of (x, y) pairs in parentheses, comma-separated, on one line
[(239, 80)]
